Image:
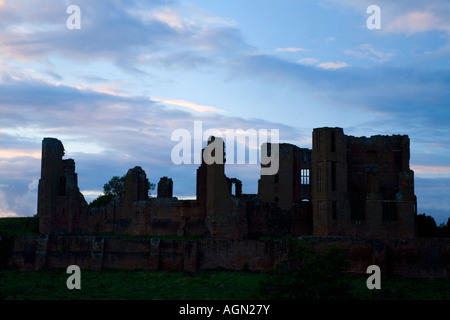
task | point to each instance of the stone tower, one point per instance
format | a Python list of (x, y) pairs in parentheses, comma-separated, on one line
[(61, 206), (328, 179), (136, 186), (165, 188), (362, 187), (225, 218)]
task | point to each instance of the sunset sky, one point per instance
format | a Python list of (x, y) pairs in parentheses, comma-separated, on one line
[(114, 90)]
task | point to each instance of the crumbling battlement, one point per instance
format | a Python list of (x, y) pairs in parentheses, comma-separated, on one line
[(345, 186)]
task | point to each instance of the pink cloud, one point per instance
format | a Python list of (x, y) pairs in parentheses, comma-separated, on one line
[(11, 154), (332, 65), (190, 105), (430, 169), (416, 22)]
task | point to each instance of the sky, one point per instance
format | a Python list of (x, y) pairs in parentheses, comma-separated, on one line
[(115, 89)]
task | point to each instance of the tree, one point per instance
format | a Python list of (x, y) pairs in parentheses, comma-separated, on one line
[(114, 188), (444, 229), (308, 274), (426, 226)]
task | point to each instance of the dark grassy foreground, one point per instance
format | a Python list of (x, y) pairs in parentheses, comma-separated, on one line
[(178, 285), (133, 285), (166, 285)]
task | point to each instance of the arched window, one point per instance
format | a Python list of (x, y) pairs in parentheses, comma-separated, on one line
[(304, 176)]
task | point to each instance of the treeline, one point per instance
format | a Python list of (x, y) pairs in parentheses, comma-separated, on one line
[(427, 227)]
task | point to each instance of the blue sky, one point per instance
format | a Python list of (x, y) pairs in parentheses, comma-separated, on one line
[(115, 90)]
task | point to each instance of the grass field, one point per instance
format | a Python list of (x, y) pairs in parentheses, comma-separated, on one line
[(175, 285), (134, 285)]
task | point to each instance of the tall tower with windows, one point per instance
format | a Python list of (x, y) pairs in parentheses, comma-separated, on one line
[(328, 180)]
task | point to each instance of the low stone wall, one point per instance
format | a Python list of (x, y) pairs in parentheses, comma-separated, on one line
[(415, 257)]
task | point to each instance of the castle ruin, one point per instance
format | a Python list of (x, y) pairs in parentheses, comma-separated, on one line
[(344, 186)]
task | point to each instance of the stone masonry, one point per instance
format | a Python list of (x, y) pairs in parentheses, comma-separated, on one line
[(354, 192), (343, 186)]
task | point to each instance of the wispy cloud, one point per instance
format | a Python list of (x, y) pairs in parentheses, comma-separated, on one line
[(332, 65), (190, 105), (170, 17), (431, 169), (367, 51), (11, 154), (308, 61), (92, 87), (122, 131), (290, 49), (156, 28), (417, 22)]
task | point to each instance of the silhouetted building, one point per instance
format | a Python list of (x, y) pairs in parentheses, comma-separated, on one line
[(291, 184), (165, 188), (358, 187), (362, 187)]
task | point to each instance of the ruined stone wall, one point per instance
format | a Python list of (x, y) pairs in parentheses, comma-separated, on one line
[(225, 214), (155, 216), (287, 186), (165, 188), (267, 219), (362, 187), (358, 187), (416, 257), (61, 206), (216, 213)]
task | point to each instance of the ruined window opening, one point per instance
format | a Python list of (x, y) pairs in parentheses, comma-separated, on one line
[(62, 187), (333, 141), (333, 176), (334, 210), (233, 189), (320, 211), (389, 211), (319, 177), (304, 176)]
